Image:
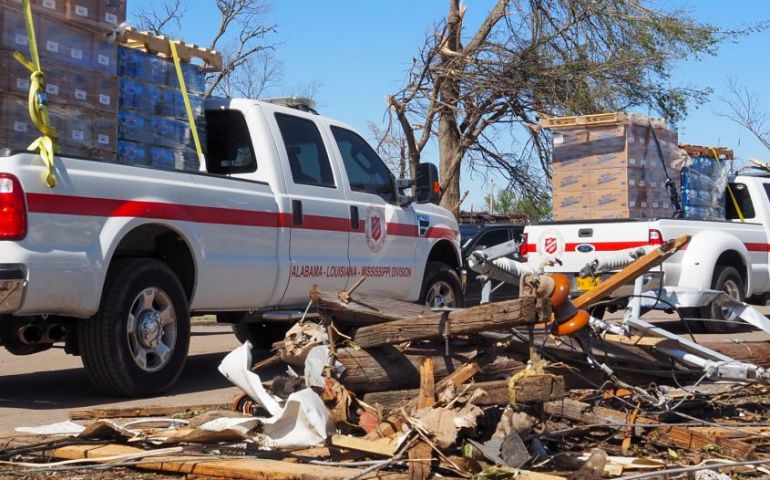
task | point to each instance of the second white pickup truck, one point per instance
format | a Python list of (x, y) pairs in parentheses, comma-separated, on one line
[(115, 258), (731, 256)]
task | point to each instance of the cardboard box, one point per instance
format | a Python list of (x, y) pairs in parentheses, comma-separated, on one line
[(617, 199), (105, 133), (112, 12), (583, 142), (569, 181), (570, 204), (14, 31), (56, 8), (106, 93), (82, 91), (84, 12), (15, 117), (576, 164), (616, 178)]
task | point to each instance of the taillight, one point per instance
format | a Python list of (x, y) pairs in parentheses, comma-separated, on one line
[(655, 238), (523, 248), (13, 212)]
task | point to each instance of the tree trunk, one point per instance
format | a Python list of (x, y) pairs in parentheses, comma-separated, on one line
[(449, 140)]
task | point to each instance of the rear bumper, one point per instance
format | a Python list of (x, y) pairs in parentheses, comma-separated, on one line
[(12, 286)]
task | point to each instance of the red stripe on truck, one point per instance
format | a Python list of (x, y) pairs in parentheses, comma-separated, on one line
[(106, 207), (598, 246)]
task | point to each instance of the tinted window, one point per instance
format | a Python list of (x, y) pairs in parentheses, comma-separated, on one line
[(307, 156), (229, 143), (743, 199), (366, 171), (493, 237)]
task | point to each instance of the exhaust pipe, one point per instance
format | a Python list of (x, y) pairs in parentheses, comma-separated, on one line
[(56, 333), (30, 334)]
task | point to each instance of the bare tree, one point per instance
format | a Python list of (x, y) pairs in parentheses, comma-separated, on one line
[(163, 18), (744, 110), (478, 93), (391, 146), (241, 33)]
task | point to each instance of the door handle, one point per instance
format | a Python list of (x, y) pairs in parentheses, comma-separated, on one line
[(355, 221), (296, 210)]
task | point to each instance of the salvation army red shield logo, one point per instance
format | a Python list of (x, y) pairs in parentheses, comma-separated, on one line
[(375, 228), (550, 244)]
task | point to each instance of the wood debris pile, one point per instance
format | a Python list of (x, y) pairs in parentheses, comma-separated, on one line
[(484, 392)]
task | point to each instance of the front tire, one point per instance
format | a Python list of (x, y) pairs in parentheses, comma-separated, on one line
[(726, 279), (137, 344), (441, 287)]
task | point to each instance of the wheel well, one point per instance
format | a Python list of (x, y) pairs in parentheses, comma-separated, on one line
[(443, 251), (161, 243), (731, 258)]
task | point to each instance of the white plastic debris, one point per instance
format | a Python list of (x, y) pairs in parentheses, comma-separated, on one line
[(303, 421), (315, 364), (68, 429)]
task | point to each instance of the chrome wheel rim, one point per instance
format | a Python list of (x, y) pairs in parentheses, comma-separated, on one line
[(440, 295), (732, 291), (152, 329)]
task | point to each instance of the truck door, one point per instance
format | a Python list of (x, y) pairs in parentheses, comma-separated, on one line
[(319, 221), (384, 235)]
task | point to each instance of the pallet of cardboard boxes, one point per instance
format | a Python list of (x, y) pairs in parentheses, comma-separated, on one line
[(106, 100), (608, 166)]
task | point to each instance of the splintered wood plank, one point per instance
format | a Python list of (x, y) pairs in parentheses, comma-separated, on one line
[(382, 446), (240, 468), (488, 317), (421, 453), (362, 309), (681, 437), (630, 273), (145, 411), (536, 389)]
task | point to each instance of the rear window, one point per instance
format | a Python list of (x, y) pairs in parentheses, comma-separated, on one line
[(228, 143), (743, 199)]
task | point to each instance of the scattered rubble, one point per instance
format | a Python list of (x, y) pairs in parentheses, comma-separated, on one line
[(394, 390)]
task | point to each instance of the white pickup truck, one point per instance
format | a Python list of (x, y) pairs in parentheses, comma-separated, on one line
[(115, 259), (731, 255)]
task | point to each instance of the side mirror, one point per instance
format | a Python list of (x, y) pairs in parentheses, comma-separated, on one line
[(427, 185)]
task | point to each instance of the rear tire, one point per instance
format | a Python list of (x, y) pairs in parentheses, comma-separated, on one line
[(137, 344), (441, 287), (728, 280)]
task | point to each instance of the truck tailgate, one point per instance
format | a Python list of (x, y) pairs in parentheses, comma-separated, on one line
[(575, 244)]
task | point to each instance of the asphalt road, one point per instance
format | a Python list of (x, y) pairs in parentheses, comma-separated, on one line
[(41, 389)]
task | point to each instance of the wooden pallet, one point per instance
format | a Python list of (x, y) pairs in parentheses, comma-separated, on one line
[(600, 119), (158, 45), (585, 120), (708, 152)]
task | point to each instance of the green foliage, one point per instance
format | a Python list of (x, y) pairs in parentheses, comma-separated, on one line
[(535, 207)]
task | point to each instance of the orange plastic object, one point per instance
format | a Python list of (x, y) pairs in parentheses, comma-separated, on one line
[(560, 292), (578, 321)]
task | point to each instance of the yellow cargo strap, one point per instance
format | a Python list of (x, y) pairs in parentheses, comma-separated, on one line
[(38, 105), (187, 106), (729, 190)]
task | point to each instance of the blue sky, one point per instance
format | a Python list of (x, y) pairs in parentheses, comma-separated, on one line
[(358, 52)]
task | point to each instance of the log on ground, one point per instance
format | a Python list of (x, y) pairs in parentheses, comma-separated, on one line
[(434, 325), (387, 368)]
